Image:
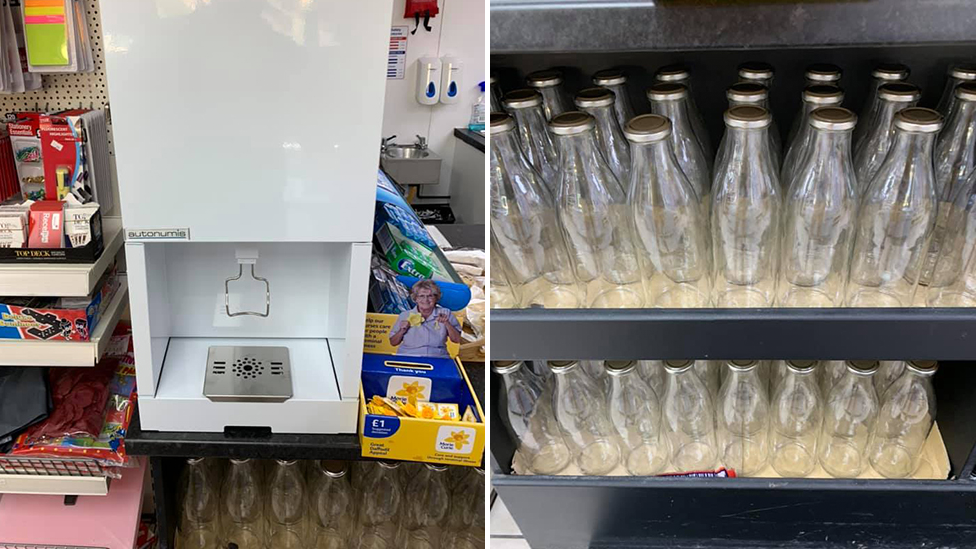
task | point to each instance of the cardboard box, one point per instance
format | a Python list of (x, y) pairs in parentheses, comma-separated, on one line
[(425, 440), (53, 318)]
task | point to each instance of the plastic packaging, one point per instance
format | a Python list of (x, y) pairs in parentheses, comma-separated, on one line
[(477, 122)]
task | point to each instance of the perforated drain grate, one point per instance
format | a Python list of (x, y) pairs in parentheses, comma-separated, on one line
[(248, 374)]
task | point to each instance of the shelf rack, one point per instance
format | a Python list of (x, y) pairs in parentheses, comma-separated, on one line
[(52, 476), (16, 352)]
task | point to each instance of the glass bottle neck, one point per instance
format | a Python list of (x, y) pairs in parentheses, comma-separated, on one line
[(654, 161), (743, 376), (914, 147), (530, 121), (830, 145), (959, 121), (606, 120), (750, 103), (581, 152), (675, 110), (750, 144)]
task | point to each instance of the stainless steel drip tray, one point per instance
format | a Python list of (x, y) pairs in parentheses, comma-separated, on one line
[(248, 374)]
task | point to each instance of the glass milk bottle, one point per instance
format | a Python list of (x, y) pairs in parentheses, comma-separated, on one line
[(581, 412), (525, 107), (381, 507), (671, 101), (635, 412), (466, 525), (746, 212), (426, 508), (906, 418), (849, 418), (814, 97), (830, 373), (689, 418), (526, 411), (896, 216), (796, 416), (755, 94), (598, 103), (652, 372), (671, 227), (742, 415), (495, 95), (549, 83), (523, 222), (287, 505), (677, 74), (243, 500), (199, 506), (710, 373), (501, 292), (879, 134), (595, 217), (953, 283), (332, 504), (819, 216), (956, 75), (888, 372), (823, 74), (883, 73), (758, 72), (615, 80)]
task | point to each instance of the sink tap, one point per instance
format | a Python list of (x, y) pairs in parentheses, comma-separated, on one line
[(422, 143), (385, 142)]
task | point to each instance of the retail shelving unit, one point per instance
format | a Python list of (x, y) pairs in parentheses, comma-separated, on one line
[(52, 476), (713, 38)]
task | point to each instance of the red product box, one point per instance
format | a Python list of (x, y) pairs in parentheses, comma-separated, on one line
[(46, 224), (62, 151)]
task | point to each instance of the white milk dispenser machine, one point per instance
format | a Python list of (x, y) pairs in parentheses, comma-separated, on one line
[(247, 176)]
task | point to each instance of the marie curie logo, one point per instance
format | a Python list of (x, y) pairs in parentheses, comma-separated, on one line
[(455, 440)]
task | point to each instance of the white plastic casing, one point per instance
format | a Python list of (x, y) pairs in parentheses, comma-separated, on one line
[(450, 79), (428, 80)]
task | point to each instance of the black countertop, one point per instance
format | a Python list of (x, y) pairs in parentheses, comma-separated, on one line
[(474, 139), (464, 236)]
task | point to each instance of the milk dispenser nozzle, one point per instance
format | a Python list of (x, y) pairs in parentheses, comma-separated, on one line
[(247, 256)]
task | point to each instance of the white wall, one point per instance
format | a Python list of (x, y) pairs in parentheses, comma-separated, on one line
[(459, 31)]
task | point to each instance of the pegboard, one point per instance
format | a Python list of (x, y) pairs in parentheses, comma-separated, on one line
[(73, 90)]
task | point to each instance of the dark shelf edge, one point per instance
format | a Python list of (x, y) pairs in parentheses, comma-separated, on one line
[(522, 26), (823, 334)]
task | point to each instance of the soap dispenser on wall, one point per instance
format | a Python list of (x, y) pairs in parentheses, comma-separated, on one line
[(428, 80), (450, 79)]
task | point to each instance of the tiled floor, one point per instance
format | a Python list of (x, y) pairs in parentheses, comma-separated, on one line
[(505, 534)]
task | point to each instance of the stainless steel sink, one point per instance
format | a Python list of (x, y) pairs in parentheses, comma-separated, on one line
[(411, 165), (406, 151)]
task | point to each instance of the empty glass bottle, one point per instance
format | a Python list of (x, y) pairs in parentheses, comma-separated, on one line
[(199, 505), (523, 221), (526, 411), (549, 83), (598, 103), (495, 92), (819, 215), (955, 159), (426, 508), (746, 211), (709, 371), (635, 412), (814, 97), (755, 94), (380, 508), (757, 71), (796, 418), (823, 74), (501, 293), (955, 75), (333, 506), (849, 418), (525, 107), (243, 500), (689, 418), (671, 101), (594, 369), (466, 526), (652, 372), (830, 373), (287, 506), (581, 410), (883, 73), (615, 80), (953, 283), (896, 216), (879, 134), (671, 226), (888, 372), (742, 415), (677, 74), (597, 220), (905, 420)]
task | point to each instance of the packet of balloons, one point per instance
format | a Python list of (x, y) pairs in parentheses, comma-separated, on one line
[(92, 410)]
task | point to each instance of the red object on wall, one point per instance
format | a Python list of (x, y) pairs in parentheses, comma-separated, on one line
[(420, 8)]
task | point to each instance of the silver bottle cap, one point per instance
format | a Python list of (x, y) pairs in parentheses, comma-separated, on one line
[(819, 94), (966, 71), (823, 72), (544, 79), (562, 365), (801, 366), (923, 367), (619, 367), (890, 71), (678, 366), (918, 119), (436, 467), (833, 118), (240, 461), (899, 92), (667, 91), (501, 122), (756, 70), (966, 91), (747, 92), (647, 128), (672, 73), (571, 123), (595, 97), (520, 99), (334, 469), (389, 464), (743, 365), (747, 116), (505, 366), (609, 77), (862, 367)]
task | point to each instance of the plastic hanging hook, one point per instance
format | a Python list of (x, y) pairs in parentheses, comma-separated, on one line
[(416, 20)]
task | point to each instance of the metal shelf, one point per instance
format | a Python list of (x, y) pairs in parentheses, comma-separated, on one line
[(884, 334), (65, 280), (50, 476), (612, 25), (17, 352)]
